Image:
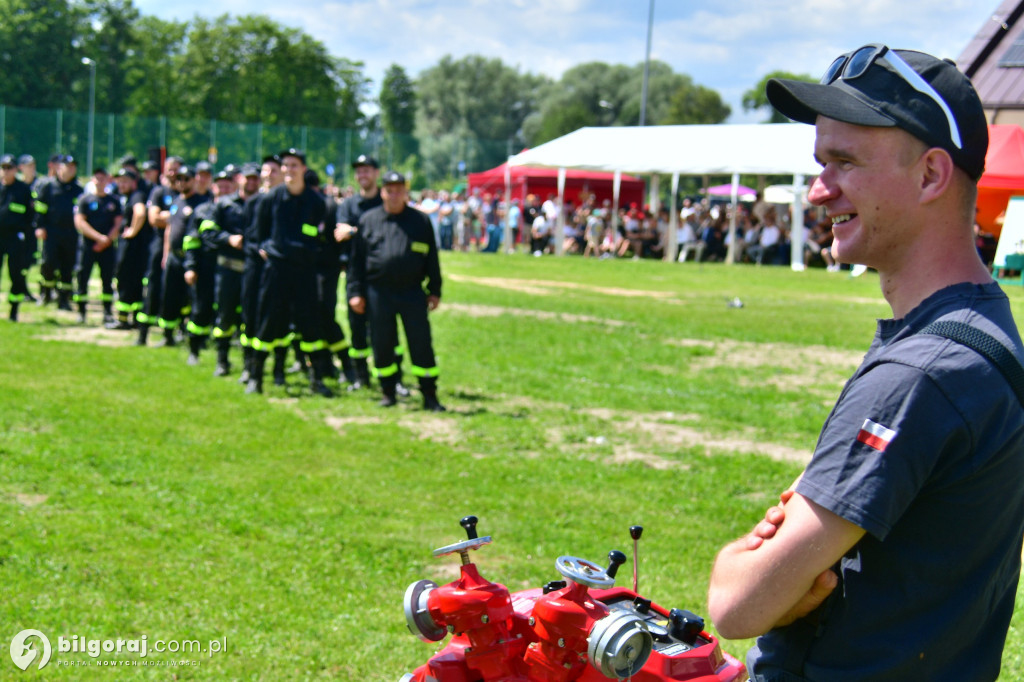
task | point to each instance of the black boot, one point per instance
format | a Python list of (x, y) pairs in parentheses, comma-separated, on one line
[(400, 389), (45, 295), (428, 387), (255, 384), (195, 344), (108, 316), (348, 369), (81, 313), (63, 300), (302, 363), (143, 335), (387, 389), (247, 354), (362, 371), (319, 359), (223, 367), (13, 317), (280, 355), (169, 338)]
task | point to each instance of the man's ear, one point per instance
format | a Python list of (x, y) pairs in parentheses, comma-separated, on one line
[(936, 168)]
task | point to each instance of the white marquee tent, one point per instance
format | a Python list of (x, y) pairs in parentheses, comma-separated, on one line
[(757, 149)]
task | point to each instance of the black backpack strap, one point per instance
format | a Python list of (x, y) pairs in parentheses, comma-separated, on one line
[(975, 339)]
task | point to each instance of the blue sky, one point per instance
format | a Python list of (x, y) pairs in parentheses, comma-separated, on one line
[(727, 45)]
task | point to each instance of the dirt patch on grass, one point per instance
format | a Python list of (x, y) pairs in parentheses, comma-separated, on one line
[(666, 429), (428, 426), (95, 335), (30, 500), (548, 287), (475, 310), (727, 353), (339, 424)]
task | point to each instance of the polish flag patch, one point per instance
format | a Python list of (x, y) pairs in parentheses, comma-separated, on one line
[(876, 436)]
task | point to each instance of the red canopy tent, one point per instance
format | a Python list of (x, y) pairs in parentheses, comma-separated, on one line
[(1004, 174), (544, 181)]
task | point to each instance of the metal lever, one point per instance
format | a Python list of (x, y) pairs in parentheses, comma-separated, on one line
[(635, 532)]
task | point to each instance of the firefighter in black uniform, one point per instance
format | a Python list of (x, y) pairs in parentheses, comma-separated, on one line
[(133, 249), (98, 221), (224, 237), (367, 172), (158, 212), (393, 255), (27, 174), (201, 264), (270, 176), (55, 226), (178, 237), (290, 214), (16, 216)]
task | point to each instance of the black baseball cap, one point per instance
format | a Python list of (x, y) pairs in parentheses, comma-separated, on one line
[(393, 178), (228, 172), (204, 167), (275, 158), (364, 160), (150, 165), (8, 160), (250, 169), (185, 171), (56, 158), (292, 151), (877, 87), (127, 172), (25, 158)]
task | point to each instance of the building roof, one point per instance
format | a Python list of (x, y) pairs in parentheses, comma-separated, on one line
[(994, 59)]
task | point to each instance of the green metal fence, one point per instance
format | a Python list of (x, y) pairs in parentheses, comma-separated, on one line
[(44, 132)]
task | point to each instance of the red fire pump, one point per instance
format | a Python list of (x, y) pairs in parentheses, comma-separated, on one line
[(581, 628)]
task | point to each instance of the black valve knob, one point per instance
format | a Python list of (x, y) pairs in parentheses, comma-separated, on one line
[(615, 559), (642, 605), (636, 531), (554, 585), (469, 523), (685, 625)]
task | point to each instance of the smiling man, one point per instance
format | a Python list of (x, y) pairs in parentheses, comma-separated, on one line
[(896, 554)]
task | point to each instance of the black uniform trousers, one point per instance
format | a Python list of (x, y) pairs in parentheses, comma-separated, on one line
[(327, 284), (228, 297), (87, 258), (383, 305), (132, 263), (150, 314), (288, 295), (60, 251), (174, 299), (251, 300), (12, 249), (200, 321)]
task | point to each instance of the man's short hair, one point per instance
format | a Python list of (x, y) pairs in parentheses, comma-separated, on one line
[(874, 86)]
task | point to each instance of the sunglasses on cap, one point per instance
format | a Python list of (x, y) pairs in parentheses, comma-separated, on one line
[(854, 64)]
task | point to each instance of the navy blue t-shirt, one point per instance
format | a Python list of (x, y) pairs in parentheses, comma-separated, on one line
[(924, 450)]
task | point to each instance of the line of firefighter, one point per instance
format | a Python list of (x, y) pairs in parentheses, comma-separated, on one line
[(254, 253)]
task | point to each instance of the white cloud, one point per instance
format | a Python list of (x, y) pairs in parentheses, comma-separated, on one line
[(727, 46)]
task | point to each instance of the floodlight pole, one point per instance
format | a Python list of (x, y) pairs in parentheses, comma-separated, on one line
[(647, 65), (92, 109)]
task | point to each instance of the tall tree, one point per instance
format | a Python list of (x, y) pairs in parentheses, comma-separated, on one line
[(472, 110), (111, 41), (39, 61), (397, 101), (755, 98)]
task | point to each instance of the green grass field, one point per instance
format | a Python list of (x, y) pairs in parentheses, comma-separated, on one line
[(142, 497)]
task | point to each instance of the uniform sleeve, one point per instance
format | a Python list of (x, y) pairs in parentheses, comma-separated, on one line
[(355, 278), (889, 431), (211, 228), (433, 265), (192, 243)]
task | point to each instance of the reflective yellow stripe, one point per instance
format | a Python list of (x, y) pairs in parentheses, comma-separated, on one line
[(309, 230), (42, 208), (17, 208), (338, 346), (195, 329), (388, 371), (420, 247), (359, 353), (208, 225), (424, 371), (190, 243), (311, 346)]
